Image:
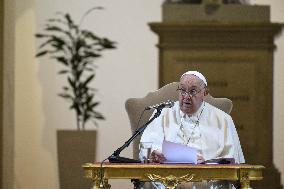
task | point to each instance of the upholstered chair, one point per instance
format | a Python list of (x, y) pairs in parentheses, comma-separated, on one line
[(135, 107)]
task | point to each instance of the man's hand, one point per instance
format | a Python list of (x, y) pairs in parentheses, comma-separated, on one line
[(157, 157)]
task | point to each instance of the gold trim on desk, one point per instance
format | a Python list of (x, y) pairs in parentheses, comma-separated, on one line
[(172, 174)]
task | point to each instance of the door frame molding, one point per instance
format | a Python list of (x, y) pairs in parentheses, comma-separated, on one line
[(1, 88), (7, 76)]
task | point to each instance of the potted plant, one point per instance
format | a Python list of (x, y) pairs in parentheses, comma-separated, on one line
[(76, 49)]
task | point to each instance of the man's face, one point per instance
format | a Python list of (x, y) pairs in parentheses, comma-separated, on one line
[(191, 94)]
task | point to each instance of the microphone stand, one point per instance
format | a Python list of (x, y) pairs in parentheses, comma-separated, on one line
[(115, 158)]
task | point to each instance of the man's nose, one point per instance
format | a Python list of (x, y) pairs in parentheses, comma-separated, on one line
[(188, 95)]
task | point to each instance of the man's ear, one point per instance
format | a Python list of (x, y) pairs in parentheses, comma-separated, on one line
[(206, 91)]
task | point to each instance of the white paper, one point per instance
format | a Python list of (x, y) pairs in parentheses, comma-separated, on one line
[(178, 153)]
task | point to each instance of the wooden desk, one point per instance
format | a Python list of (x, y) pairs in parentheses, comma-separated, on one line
[(171, 175)]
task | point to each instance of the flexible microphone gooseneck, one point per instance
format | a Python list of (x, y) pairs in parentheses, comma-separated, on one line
[(115, 158)]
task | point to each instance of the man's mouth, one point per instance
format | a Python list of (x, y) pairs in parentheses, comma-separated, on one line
[(187, 103)]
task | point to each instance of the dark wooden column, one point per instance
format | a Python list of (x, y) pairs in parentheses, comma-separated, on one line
[(237, 59)]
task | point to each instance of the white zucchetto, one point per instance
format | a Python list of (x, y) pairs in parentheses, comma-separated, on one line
[(197, 74)]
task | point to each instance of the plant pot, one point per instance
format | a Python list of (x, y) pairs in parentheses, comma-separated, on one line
[(74, 148)]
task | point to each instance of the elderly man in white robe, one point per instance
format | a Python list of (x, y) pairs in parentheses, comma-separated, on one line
[(195, 123)]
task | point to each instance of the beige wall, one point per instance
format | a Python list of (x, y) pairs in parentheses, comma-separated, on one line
[(129, 71), (39, 112)]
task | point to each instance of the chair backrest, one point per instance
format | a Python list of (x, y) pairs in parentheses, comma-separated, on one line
[(135, 107)]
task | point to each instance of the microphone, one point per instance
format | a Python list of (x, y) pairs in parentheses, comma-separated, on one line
[(115, 155), (167, 104)]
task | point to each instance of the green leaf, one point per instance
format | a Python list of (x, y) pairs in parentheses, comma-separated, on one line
[(80, 43), (95, 104), (71, 82), (69, 20), (86, 117), (76, 59), (98, 115), (85, 83), (78, 74), (61, 59), (89, 11), (77, 109), (57, 46), (106, 43), (56, 20), (71, 24), (63, 72), (95, 123), (46, 43), (91, 54), (65, 95), (54, 28), (89, 99), (41, 53), (38, 35), (90, 35), (65, 88), (89, 69)]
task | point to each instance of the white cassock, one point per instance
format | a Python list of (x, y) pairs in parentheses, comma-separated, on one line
[(210, 130)]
